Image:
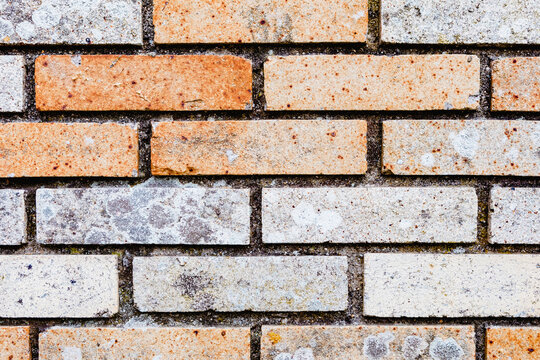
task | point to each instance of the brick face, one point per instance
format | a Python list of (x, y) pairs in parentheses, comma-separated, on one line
[(512, 342), (516, 84), (13, 215), (15, 343), (12, 74)]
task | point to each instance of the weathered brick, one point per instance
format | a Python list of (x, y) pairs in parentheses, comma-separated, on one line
[(71, 22), (48, 286), (443, 285), (367, 82), (142, 82), (259, 147), (367, 342), (145, 343), (516, 84), (461, 147), (195, 216), (12, 73), (514, 216), (345, 215), (13, 217), (512, 343), (15, 343), (461, 22), (269, 283), (73, 149), (251, 21)]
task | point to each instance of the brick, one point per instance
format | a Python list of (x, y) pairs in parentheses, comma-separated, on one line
[(516, 84), (367, 82), (146, 343), (58, 286), (71, 22), (15, 343), (194, 216), (512, 343), (463, 22), (443, 285), (227, 284), (13, 215), (142, 82), (12, 72), (514, 216), (72, 149), (461, 147), (345, 215), (367, 342), (245, 147), (251, 21)]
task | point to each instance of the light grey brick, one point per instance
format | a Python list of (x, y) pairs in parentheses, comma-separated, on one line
[(347, 215), (442, 285), (50, 286), (12, 74), (138, 215), (514, 216), (12, 217), (270, 283)]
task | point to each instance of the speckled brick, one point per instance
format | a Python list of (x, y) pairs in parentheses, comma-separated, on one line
[(516, 84), (136, 215), (71, 22), (142, 82), (15, 343), (345, 215), (252, 21), (517, 343), (367, 342), (514, 216), (368, 82), (460, 22), (13, 217), (145, 343), (447, 285), (72, 149), (259, 147), (461, 147), (12, 72), (231, 284), (58, 286)]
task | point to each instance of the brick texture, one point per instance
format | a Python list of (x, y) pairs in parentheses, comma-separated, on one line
[(512, 343), (15, 343), (13, 215), (516, 84), (12, 72)]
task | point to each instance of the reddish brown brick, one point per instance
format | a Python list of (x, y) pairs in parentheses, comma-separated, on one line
[(15, 343), (516, 84), (513, 343)]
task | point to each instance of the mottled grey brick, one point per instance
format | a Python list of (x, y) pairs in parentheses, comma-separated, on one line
[(12, 73), (12, 217)]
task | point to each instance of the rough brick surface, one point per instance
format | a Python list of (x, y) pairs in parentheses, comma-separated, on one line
[(512, 343), (514, 216), (516, 84), (145, 343), (15, 343), (12, 74), (367, 82), (259, 147), (194, 216), (252, 21), (142, 82), (345, 215), (269, 283), (424, 285), (71, 22), (48, 286), (460, 22), (13, 217), (368, 342), (461, 147)]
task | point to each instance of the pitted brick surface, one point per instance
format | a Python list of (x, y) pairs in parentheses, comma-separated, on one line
[(12, 72), (516, 84), (15, 343), (512, 343), (13, 217)]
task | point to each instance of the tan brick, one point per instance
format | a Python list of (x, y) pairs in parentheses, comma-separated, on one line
[(516, 84), (253, 21), (78, 149), (367, 82), (145, 343), (15, 343), (259, 147), (142, 82), (513, 343)]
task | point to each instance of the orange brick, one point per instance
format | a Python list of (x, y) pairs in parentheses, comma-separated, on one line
[(367, 82), (513, 343), (15, 343), (259, 147), (142, 82), (78, 149), (253, 21), (516, 84)]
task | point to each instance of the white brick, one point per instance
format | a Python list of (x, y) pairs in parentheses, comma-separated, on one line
[(13, 217), (12, 73)]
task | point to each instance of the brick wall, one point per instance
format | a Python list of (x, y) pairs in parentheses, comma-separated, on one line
[(274, 180)]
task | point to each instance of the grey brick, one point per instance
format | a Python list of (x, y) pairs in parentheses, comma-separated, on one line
[(13, 217), (12, 73)]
